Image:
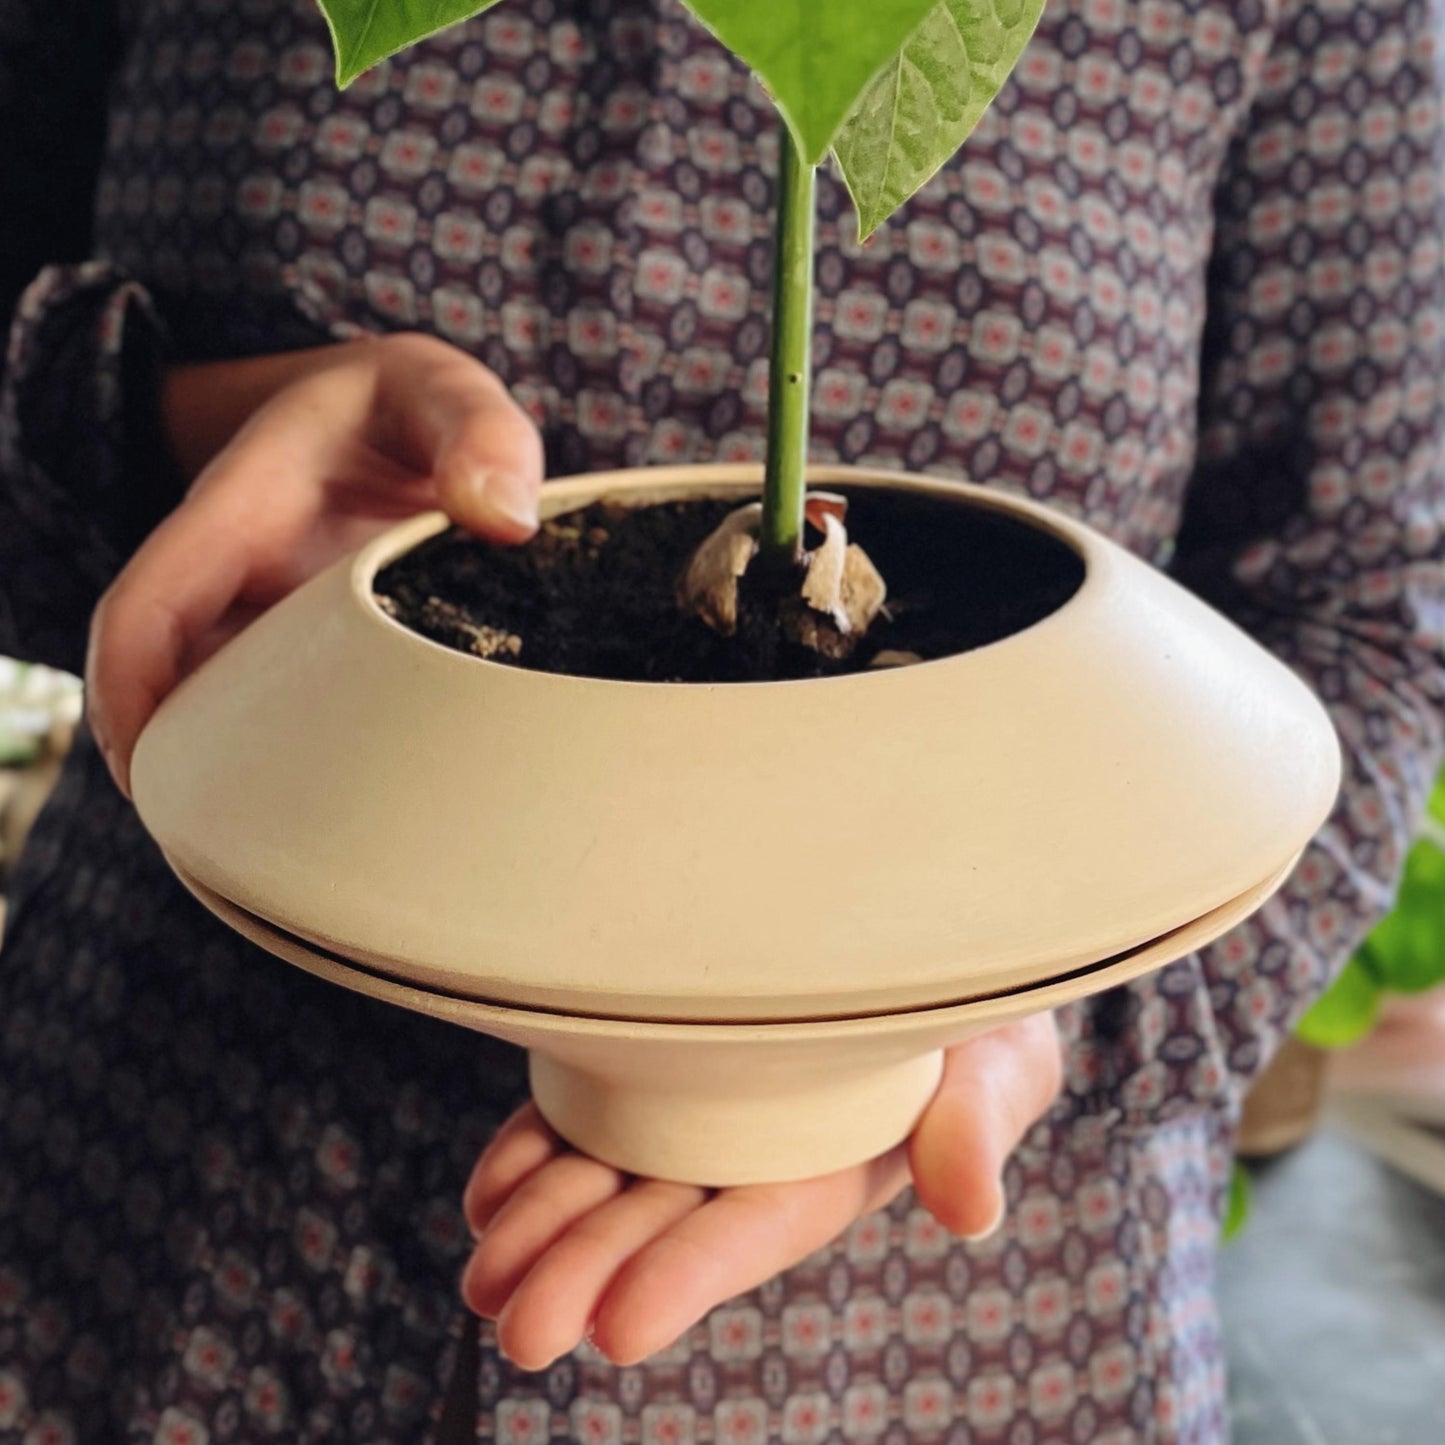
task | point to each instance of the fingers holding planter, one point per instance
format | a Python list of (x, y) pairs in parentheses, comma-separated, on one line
[(734, 1242), (554, 1307), (531, 1221), (459, 422), (994, 1088), (518, 1149), (572, 1248), (310, 456), (577, 1249)]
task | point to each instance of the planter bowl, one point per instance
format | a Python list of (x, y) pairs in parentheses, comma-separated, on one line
[(735, 923)]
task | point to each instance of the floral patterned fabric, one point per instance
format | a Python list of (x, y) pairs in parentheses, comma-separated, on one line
[(1185, 282)]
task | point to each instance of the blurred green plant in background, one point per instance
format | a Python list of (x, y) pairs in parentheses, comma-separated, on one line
[(1237, 1205), (1404, 954), (33, 700)]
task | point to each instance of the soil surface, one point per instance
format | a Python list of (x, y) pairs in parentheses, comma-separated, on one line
[(593, 595)]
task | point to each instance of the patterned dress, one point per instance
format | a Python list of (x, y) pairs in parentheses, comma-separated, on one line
[(1185, 282)]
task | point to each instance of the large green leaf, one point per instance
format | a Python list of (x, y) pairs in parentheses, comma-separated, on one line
[(367, 31), (816, 57), (921, 107)]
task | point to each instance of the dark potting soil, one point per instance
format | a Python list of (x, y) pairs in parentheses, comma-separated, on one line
[(593, 594)]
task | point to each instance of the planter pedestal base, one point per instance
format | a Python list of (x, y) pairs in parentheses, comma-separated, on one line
[(708, 1129)]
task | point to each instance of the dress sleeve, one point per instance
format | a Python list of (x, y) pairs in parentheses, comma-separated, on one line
[(83, 470), (1314, 519)]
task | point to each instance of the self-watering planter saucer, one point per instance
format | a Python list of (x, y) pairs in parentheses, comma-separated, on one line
[(704, 907), (721, 1104)]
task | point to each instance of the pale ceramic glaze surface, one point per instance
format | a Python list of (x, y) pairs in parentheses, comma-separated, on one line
[(723, 1104), (879, 843)]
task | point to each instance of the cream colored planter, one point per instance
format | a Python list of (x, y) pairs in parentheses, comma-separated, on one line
[(735, 923)]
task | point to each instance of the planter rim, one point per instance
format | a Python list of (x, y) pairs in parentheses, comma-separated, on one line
[(716, 481)]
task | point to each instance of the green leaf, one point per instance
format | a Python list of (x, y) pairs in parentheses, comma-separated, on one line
[(816, 57), (1347, 1010), (1404, 954), (1236, 1210), (1407, 947), (922, 106), (1436, 807), (365, 32)]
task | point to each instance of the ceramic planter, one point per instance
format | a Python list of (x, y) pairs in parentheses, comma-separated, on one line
[(734, 924)]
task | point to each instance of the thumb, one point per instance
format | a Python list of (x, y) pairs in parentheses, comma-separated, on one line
[(457, 421), (994, 1088)]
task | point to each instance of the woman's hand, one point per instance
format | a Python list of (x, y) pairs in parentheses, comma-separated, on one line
[(569, 1248), (302, 458)]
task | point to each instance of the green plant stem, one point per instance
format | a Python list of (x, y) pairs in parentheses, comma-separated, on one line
[(790, 378)]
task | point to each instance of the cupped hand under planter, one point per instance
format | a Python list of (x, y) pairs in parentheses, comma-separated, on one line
[(943, 843)]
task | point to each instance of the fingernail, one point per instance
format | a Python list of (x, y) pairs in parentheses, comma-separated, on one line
[(510, 497), (993, 1226)]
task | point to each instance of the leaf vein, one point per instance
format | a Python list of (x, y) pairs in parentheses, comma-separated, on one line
[(364, 32)]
